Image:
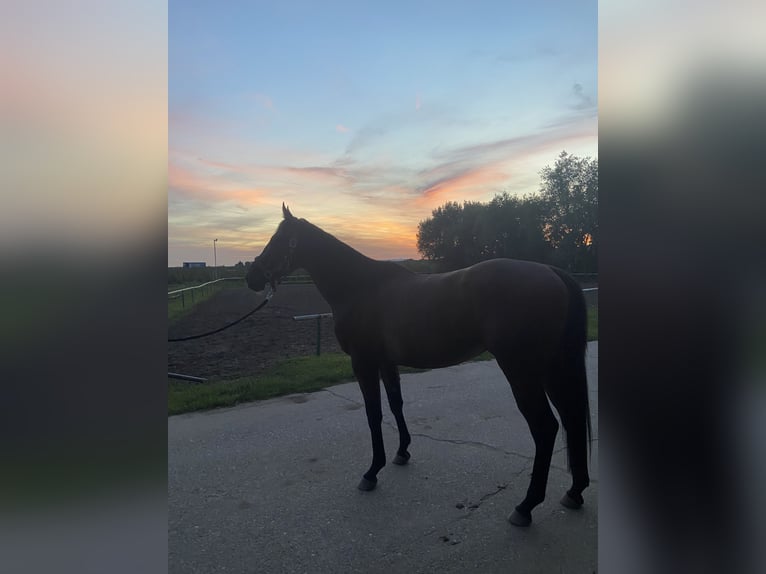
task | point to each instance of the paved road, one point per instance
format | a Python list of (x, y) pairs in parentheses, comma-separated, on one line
[(271, 486)]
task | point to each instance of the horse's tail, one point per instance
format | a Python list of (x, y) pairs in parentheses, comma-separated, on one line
[(569, 388)]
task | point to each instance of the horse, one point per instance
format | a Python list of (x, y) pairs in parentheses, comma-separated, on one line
[(530, 316)]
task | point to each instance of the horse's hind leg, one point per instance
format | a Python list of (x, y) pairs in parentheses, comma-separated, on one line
[(367, 375), (568, 393), (577, 446), (533, 404), (390, 375)]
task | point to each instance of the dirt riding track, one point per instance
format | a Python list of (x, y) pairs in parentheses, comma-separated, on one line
[(255, 344)]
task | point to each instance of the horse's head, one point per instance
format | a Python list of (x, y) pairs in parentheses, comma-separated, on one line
[(276, 260)]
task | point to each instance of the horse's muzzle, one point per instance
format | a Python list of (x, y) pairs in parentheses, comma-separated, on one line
[(258, 278)]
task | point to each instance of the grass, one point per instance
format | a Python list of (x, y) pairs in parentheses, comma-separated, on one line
[(299, 375), (592, 323)]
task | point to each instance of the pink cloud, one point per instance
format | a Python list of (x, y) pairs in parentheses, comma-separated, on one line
[(193, 185), (463, 184), (213, 181), (340, 128)]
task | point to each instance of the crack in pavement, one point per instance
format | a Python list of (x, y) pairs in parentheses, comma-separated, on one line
[(474, 443), (500, 488), (471, 507), (333, 393), (479, 444), (448, 527)]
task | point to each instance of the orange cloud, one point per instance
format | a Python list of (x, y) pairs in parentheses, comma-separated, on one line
[(215, 180), (185, 184)]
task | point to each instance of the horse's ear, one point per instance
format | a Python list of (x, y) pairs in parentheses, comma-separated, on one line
[(286, 212)]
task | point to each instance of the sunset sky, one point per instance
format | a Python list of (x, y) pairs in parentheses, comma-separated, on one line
[(363, 117)]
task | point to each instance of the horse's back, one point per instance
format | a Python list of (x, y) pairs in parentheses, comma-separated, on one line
[(521, 304), (499, 283), (448, 317)]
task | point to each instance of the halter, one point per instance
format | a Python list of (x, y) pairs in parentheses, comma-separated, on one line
[(281, 269)]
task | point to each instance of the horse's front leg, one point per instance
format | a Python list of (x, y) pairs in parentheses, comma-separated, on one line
[(369, 382)]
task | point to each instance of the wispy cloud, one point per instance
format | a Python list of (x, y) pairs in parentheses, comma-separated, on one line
[(582, 101), (394, 170), (497, 161), (186, 186), (363, 137), (465, 183), (526, 54)]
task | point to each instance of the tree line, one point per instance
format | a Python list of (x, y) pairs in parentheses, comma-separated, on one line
[(558, 225)]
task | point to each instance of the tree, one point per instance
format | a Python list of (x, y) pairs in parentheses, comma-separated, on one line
[(459, 235), (517, 227), (570, 191), (444, 237), (559, 225)]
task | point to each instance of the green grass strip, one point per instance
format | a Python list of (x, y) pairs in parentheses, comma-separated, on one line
[(299, 375), (592, 323)]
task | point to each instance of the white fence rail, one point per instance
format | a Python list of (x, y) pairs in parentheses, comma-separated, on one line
[(177, 291)]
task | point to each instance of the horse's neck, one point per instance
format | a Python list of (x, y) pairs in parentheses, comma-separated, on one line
[(338, 270)]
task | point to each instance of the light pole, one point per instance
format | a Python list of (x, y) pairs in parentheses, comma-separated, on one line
[(215, 259)]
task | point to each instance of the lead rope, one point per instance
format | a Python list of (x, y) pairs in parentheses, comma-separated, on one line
[(269, 295)]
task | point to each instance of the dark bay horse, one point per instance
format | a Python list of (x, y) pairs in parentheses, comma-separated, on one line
[(531, 317)]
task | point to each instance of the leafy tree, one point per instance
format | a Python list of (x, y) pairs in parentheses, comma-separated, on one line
[(559, 225), (516, 226), (459, 235), (570, 189), (446, 236)]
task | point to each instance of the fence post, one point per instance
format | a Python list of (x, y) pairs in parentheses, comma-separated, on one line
[(318, 317), (183, 301)]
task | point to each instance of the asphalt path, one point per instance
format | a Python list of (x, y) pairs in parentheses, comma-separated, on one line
[(270, 486)]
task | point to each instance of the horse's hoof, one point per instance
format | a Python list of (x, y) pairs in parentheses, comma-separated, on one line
[(366, 484), (401, 459), (518, 519), (571, 502)]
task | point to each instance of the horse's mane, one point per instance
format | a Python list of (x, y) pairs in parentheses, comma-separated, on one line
[(342, 254), (328, 240)]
